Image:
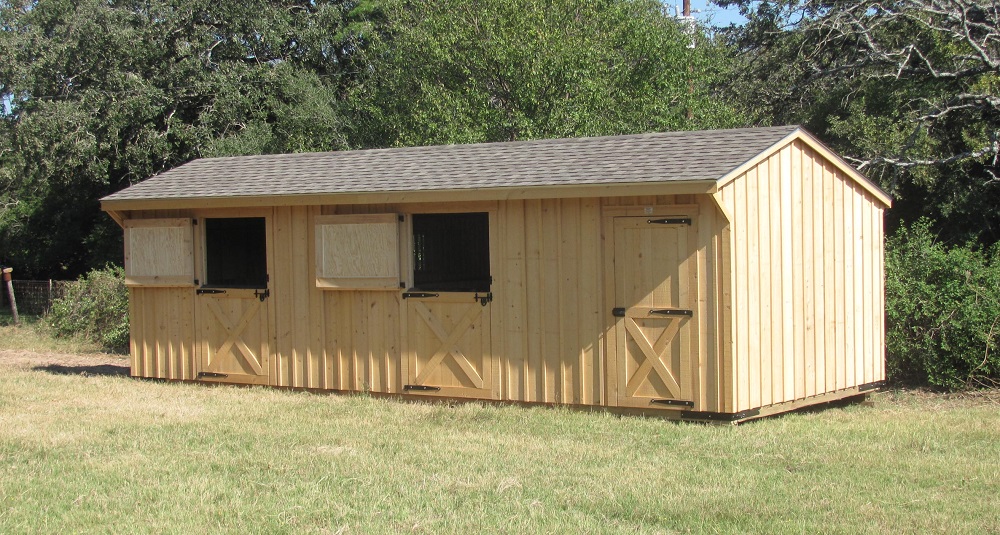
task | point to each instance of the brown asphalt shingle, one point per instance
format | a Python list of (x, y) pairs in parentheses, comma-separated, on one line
[(641, 158)]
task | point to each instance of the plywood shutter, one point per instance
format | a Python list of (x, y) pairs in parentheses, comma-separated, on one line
[(159, 252), (357, 252)]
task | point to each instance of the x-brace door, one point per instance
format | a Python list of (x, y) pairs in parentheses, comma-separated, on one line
[(448, 345), (655, 295), (234, 336)]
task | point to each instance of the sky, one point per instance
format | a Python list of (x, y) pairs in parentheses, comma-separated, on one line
[(710, 13)]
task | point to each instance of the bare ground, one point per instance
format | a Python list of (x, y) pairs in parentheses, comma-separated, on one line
[(66, 363)]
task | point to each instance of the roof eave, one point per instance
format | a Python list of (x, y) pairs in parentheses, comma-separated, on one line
[(674, 187)]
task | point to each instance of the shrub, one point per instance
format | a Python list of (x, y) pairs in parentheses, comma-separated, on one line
[(94, 307), (942, 311)]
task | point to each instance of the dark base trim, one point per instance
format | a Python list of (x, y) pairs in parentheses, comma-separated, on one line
[(719, 416), (871, 386)]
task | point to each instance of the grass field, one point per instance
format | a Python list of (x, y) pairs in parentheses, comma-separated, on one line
[(93, 453), (33, 335)]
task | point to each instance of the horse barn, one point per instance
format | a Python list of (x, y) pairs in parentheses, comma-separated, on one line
[(712, 275)]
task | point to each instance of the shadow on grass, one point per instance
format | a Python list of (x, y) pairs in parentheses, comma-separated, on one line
[(100, 369)]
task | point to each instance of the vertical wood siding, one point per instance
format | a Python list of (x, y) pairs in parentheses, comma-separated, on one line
[(551, 305), (161, 321), (789, 296), (807, 279)]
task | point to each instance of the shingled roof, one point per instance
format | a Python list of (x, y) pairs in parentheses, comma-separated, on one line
[(613, 160)]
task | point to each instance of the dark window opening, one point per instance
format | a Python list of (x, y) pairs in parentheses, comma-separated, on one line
[(451, 252), (236, 252)]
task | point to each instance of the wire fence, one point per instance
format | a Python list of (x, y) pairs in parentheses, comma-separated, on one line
[(34, 297)]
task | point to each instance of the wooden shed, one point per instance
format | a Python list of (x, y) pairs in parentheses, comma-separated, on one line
[(712, 275)]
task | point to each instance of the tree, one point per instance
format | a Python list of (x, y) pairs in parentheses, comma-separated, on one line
[(104, 94), (907, 89), (455, 71)]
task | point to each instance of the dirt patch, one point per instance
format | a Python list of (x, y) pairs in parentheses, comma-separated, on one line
[(66, 363)]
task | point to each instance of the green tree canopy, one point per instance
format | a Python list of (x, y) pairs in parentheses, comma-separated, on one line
[(909, 90), (104, 94), (459, 71)]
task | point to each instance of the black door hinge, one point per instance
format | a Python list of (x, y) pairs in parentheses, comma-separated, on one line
[(672, 312), (211, 374), (200, 291), (419, 295), (618, 312), (670, 221), (421, 388), (672, 402)]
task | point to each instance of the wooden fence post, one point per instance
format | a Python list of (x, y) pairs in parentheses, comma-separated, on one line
[(10, 293)]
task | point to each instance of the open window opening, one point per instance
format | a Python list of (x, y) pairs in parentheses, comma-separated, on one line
[(451, 252), (236, 252)]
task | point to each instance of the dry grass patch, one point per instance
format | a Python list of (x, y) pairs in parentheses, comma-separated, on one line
[(33, 335), (107, 453)]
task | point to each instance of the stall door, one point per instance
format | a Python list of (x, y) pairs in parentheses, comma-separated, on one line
[(234, 324), (654, 266), (448, 344), (235, 335)]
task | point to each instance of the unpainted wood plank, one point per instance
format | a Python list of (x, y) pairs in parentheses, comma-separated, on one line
[(840, 269), (551, 347), (796, 358), (534, 278), (494, 343), (687, 295), (299, 263), (316, 354), (809, 258), (868, 312), (880, 293), (610, 337), (851, 288), (765, 279), (378, 362), (787, 284), (741, 294), (754, 277), (830, 293), (569, 301), (818, 217), (705, 276), (333, 341), (284, 298), (391, 348), (772, 362), (359, 351), (589, 289), (726, 282)]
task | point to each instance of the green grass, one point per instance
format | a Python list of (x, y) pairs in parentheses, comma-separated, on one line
[(34, 335), (112, 454)]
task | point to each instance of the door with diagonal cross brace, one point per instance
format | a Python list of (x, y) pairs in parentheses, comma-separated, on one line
[(448, 345), (234, 323), (654, 265), (235, 336)]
